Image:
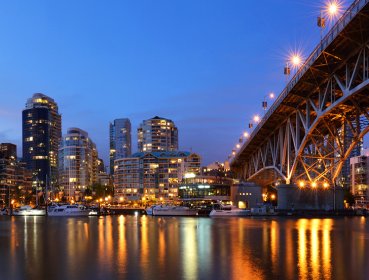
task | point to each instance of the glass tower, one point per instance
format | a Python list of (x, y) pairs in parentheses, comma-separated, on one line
[(120, 140), (41, 127)]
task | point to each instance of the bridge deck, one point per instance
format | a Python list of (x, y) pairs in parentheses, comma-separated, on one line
[(344, 36)]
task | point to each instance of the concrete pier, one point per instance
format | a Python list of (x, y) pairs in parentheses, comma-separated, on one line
[(291, 197)]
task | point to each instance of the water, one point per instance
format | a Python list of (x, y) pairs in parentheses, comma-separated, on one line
[(142, 247)]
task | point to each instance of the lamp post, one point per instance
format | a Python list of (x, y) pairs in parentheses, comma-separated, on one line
[(331, 10), (294, 61), (264, 104)]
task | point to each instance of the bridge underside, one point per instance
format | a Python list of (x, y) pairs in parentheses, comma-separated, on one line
[(267, 177), (321, 116)]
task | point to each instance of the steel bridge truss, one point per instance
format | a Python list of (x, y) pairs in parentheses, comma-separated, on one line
[(329, 117)]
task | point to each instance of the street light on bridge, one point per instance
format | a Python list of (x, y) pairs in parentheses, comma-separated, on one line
[(332, 10), (264, 104), (256, 119), (294, 61)]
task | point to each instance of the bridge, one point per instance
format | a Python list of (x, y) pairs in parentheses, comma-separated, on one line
[(320, 117)]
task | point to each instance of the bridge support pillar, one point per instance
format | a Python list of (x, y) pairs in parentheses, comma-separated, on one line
[(291, 197)]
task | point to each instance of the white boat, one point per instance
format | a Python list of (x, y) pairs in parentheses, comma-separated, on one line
[(27, 210), (68, 211), (149, 210), (4, 212), (168, 210), (229, 211)]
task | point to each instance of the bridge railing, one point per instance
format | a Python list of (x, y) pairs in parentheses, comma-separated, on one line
[(341, 23)]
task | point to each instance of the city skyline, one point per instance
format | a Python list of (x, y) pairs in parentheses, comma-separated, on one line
[(209, 76)]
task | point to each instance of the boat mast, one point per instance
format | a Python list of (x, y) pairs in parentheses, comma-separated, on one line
[(45, 196)]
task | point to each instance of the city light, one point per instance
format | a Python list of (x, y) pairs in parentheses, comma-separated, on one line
[(313, 184), (256, 118), (271, 95), (296, 60), (333, 9), (301, 184), (238, 146), (246, 134), (325, 185)]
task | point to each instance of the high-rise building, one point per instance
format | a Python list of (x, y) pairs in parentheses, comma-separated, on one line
[(120, 140), (153, 175), (348, 137), (41, 138), (360, 177), (8, 158), (78, 163), (15, 179), (8, 150), (157, 134)]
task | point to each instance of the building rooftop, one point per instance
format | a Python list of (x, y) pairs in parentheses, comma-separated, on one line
[(159, 118), (164, 154)]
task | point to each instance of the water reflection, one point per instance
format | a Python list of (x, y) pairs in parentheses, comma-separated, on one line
[(141, 247)]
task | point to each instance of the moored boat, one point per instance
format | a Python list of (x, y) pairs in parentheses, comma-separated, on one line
[(68, 210), (169, 210), (149, 210), (27, 210), (4, 211), (229, 211)]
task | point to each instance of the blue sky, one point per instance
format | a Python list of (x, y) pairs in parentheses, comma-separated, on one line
[(207, 65)]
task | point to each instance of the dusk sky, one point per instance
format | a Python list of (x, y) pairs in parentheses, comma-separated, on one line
[(207, 65)]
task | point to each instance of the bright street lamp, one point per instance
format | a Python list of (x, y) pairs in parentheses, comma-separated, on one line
[(256, 119), (331, 10), (264, 104)]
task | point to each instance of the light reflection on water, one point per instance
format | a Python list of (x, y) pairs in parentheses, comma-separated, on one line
[(142, 247)]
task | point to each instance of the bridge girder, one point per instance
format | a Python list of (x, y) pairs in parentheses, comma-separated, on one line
[(326, 116)]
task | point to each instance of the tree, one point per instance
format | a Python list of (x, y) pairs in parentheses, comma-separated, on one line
[(101, 190)]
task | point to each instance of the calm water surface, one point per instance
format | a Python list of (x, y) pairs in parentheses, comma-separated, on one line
[(142, 247)]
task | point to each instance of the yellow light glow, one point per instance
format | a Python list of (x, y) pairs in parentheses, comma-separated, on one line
[(333, 9), (272, 196), (301, 184), (234, 153), (296, 60), (238, 146), (246, 135), (325, 185), (256, 118), (189, 175), (313, 184)]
